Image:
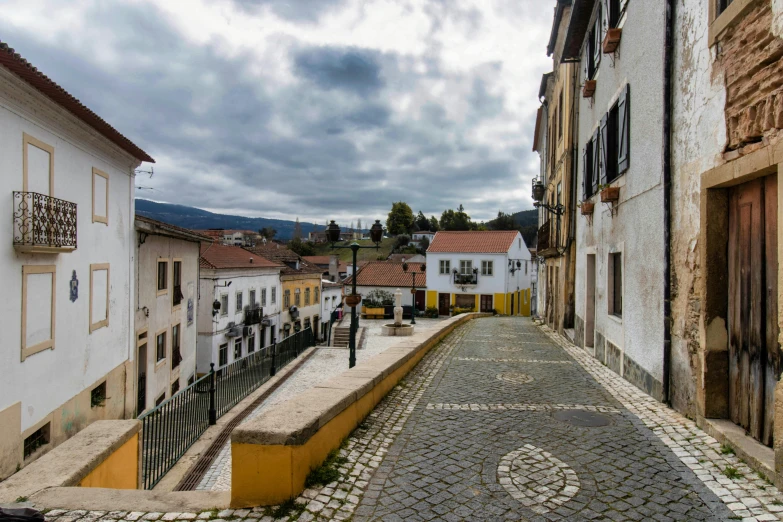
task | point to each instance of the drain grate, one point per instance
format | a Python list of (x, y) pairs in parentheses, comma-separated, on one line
[(581, 418)]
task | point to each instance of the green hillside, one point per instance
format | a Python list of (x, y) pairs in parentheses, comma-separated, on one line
[(364, 254)]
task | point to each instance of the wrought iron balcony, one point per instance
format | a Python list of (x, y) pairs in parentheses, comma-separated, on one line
[(253, 316), (466, 279), (547, 240), (43, 224)]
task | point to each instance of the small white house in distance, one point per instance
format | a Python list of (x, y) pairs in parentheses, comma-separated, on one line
[(67, 336), (389, 276), (331, 297), (483, 270), (166, 306), (241, 311)]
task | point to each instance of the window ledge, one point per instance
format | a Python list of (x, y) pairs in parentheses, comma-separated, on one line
[(729, 17), (615, 318)]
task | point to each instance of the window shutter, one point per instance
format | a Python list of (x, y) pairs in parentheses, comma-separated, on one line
[(606, 9), (624, 130), (598, 37), (585, 176), (604, 139), (596, 159)]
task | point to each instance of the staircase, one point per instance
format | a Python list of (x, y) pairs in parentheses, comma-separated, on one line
[(340, 336)]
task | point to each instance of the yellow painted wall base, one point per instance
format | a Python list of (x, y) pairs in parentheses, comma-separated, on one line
[(119, 471), (432, 299), (265, 475), (500, 303)]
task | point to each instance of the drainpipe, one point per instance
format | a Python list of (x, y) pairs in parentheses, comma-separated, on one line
[(668, 62)]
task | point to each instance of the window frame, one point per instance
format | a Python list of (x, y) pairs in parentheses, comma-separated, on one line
[(27, 351), (466, 263), (221, 351), (94, 268), (95, 217), (728, 17), (273, 297), (27, 140), (488, 263), (239, 301), (174, 285), (224, 309), (307, 296), (178, 348), (297, 296), (612, 283), (237, 344), (445, 263), (251, 297), (287, 298), (263, 296), (158, 360), (165, 289)]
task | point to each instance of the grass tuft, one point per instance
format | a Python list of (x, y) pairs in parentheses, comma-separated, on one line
[(732, 473), (288, 508), (21, 499), (725, 449), (326, 472)]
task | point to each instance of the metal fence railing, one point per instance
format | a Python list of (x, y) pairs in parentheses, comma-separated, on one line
[(169, 429)]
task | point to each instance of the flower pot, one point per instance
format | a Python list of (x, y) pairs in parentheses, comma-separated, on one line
[(353, 299), (587, 208), (612, 40), (610, 194), (589, 89)]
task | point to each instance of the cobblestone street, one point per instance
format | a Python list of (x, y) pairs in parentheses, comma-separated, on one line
[(504, 421)]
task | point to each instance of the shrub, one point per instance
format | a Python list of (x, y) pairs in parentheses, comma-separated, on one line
[(431, 312), (458, 310), (378, 299)]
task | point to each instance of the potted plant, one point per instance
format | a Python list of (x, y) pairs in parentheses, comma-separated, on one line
[(612, 40), (353, 300), (587, 208), (589, 88), (609, 194)]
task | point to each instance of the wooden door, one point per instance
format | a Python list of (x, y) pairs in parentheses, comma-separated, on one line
[(754, 354), (421, 297), (486, 303), (444, 301)]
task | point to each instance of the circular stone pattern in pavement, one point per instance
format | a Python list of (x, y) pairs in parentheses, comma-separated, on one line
[(582, 418), (515, 377), (538, 480)]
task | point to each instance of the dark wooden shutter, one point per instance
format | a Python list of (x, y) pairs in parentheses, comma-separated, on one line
[(624, 130), (606, 9), (598, 37), (586, 182), (603, 136), (596, 158)]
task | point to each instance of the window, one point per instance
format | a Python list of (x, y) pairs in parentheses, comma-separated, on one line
[(251, 343), (607, 155), (160, 399), (160, 343), (616, 284), (237, 349), (174, 387), (307, 323), (38, 166), (100, 196), (39, 284), (176, 355), (239, 302), (274, 295), (98, 395), (590, 178), (317, 297), (191, 379), (466, 267), (560, 117), (163, 272), (99, 296), (593, 48), (177, 276), (723, 5), (307, 296), (615, 8), (251, 298), (38, 438), (263, 297), (486, 268), (525, 267), (297, 297), (445, 266), (287, 299), (223, 355), (224, 305)]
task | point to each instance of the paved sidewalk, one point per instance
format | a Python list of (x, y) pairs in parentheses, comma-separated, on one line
[(496, 423)]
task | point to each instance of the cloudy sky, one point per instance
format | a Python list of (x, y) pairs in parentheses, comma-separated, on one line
[(310, 108)]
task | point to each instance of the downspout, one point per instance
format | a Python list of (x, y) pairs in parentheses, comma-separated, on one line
[(668, 63)]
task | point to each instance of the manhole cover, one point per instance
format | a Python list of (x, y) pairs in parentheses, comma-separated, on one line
[(582, 418), (515, 378)]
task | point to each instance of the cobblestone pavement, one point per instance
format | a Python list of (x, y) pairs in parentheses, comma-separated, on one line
[(324, 364), (479, 431)]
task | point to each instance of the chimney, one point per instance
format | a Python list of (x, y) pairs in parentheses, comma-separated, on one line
[(334, 273)]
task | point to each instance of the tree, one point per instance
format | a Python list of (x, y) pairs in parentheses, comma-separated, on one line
[(458, 220), (268, 232), (434, 225), (424, 244), (422, 223), (401, 241), (503, 222), (303, 248), (297, 229), (351, 228), (400, 219), (359, 224)]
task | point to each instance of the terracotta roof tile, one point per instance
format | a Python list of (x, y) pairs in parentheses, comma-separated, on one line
[(287, 258), (12, 61), (192, 235), (217, 256), (475, 242), (386, 273), (317, 260)]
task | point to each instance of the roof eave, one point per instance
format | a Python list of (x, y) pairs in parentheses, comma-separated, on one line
[(550, 48), (581, 11)]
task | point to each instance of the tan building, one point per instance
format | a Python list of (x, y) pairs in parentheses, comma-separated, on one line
[(555, 143), (167, 259)]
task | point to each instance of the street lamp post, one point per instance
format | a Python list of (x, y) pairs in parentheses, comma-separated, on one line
[(413, 289), (333, 236)]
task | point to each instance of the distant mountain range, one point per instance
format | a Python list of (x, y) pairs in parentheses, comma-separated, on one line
[(197, 219)]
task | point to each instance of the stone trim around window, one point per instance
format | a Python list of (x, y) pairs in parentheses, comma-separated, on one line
[(94, 268), (48, 344), (729, 17), (96, 218)]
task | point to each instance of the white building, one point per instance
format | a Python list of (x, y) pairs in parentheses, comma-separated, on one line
[(167, 259), (243, 314), (483, 270), (331, 298), (389, 276), (621, 251), (67, 333)]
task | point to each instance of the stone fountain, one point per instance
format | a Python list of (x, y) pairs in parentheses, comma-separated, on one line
[(397, 328)]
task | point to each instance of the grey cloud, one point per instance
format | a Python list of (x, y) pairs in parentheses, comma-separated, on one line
[(350, 69), (298, 10)]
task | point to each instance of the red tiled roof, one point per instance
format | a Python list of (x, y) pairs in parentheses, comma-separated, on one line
[(317, 260), (183, 232), (12, 61), (476, 242), (215, 255), (386, 273), (286, 257)]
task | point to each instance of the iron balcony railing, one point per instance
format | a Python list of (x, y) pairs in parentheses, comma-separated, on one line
[(43, 221), (254, 316), (544, 237), (466, 279), (171, 428)]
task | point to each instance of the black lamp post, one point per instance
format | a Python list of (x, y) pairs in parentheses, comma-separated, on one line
[(333, 236), (413, 288), (539, 191)]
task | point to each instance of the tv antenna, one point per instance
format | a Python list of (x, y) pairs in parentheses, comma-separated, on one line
[(150, 172)]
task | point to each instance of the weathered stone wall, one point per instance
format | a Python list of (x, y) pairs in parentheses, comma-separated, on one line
[(750, 57)]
